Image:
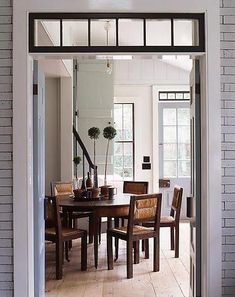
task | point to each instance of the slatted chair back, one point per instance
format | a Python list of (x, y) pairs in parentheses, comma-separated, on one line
[(53, 215), (135, 187), (144, 208), (61, 188), (176, 203)]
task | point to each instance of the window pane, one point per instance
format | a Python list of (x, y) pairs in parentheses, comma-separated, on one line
[(130, 32), (118, 171), (169, 116), (75, 32), (183, 116), (47, 33), (186, 33), (187, 96), (103, 32), (171, 96), (170, 169), (170, 151), (127, 119), (158, 32), (179, 96), (118, 161), (162, 96), (128, 172), (183, 168), (183, 134), (118, 148), (169, 134), (184, 151), (118, 120)]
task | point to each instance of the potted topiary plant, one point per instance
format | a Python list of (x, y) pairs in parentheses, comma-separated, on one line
[(94, 133), (76, 161), (109, 133)]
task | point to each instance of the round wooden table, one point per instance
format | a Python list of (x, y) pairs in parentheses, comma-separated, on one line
[(117, 207)]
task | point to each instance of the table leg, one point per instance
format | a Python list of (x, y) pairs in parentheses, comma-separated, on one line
[(96, 231)]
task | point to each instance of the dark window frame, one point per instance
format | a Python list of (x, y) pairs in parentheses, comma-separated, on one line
[(112, 49), (172, 92), (133, 131)]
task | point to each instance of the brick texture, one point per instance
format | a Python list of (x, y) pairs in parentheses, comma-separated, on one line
[(6, 217), (227, 47)]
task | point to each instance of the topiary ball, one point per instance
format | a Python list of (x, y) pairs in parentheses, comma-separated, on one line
[(94, 132), (77, 160), (109, 132)]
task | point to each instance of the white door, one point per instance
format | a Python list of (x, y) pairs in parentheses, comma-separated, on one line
[(195, 205), (174, 149), (39, 179)]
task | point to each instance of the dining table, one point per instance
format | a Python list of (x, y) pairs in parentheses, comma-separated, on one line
[(116, 207)]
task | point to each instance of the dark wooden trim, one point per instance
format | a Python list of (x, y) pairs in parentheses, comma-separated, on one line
[(117, 48)]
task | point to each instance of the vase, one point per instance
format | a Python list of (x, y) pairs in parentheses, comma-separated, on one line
[(88, 181)]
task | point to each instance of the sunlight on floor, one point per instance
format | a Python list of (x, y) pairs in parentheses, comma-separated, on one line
[(171, 281)]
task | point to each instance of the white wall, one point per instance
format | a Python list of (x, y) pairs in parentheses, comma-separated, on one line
[(133, 81), (52, 132), (66, 124), (95, 109)]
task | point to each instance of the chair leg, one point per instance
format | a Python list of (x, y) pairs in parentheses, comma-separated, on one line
[(109, 251), (136, 245), (116, 225), (143, 247), (146, 245), (59, 259), (67, 251), (129, 259), (100, 225), (177, 241), (172, 238), (123, 222), (84, 253), (156, 254), (90, 230)]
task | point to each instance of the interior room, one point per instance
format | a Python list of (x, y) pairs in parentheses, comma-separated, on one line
[(147, 100)]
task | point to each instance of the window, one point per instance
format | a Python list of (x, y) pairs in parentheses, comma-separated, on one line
[(124, 141), (176, 142), (176, 96)]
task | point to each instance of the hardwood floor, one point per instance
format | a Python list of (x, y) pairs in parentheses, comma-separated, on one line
[(171, 281)]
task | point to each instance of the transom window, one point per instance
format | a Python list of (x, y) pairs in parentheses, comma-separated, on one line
[(124, 141), (174, 95), (116, 32)]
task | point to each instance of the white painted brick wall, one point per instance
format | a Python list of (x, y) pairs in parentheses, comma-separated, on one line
[(6, 217), (227, 36)]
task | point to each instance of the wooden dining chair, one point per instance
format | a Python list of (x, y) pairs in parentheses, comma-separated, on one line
[(142, 208), (60, 235), (172, 221), (132, 187), (66, 188)]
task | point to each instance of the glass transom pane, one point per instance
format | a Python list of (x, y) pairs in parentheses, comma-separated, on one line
[(47, 33), (158, 32), (186, 33), (103, 32), (75, 32), (130, 32)]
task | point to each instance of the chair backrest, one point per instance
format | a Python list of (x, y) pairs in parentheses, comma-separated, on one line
[(144, 208), (61, 188), (53, 214), (135, 187), (176, 203)]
